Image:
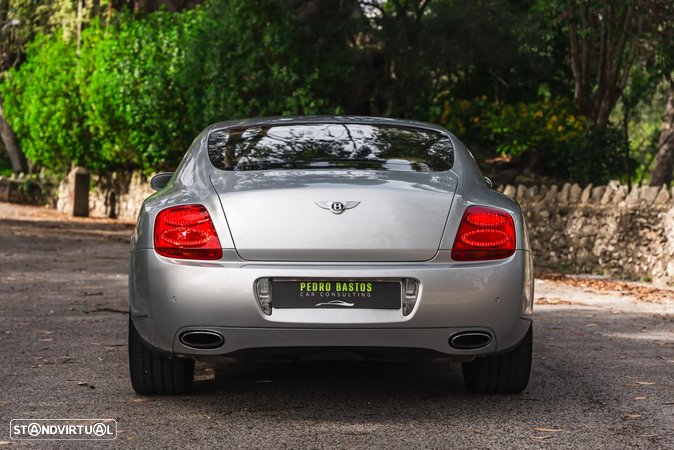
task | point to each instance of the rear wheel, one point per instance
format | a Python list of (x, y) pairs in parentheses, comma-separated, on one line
[(156, 374), (507, 373)]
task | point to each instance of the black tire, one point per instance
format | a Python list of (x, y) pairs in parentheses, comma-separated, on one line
[(507, 373), (156, 374)]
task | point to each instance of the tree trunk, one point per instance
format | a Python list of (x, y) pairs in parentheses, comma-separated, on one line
[(11, 143), (664, 162)]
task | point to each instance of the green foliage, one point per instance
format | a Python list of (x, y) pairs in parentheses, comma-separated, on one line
[(137, 96), (553, 128), (492, 71), (48, 117), (5, 164), (645, 102)]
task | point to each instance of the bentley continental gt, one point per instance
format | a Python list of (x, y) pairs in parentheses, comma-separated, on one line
[(310, 236)]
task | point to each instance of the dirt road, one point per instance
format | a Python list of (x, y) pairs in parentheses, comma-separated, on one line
[(603, 374)]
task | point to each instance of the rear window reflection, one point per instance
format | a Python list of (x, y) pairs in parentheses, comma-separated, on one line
[(330, 145)]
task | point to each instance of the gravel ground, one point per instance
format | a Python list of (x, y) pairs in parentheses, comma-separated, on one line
[(602, 374)]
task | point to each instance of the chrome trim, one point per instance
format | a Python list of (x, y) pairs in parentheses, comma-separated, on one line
[(337, 207), (453, 340), (218, 343)]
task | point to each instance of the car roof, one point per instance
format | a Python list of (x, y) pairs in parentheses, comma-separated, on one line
[(326, 119)]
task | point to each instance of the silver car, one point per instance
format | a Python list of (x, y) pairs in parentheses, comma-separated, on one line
[(323, 237)]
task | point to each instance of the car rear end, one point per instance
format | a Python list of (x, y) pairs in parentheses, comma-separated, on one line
[(254, 262)]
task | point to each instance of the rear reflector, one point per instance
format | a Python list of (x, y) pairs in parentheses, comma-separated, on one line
[(484, 233), (186, 232)]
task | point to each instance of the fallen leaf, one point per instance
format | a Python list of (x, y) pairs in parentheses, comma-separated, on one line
[(209, 370), (632, 416), (95, 343), (140, 400), (559, 301), (5, 442), (82, 383), (578, 334), (121, 311), (641, 293), (648, 435), (347, 447), (640, 398), (592, 325), (474, 431), (45, 340), (645, 383), (45, 332), (548, 429), (542, 437), (614, 367), (129, 438)]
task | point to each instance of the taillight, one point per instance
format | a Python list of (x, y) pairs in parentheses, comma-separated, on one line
[(186, 232), (484, 233)]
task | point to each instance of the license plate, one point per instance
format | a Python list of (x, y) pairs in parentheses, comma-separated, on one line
[(344, 294)]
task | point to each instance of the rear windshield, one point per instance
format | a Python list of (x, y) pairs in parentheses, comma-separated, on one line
[(330, 145)]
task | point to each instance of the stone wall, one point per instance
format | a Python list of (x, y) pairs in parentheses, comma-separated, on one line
[(31, 190), (603, 229), (118, 195)]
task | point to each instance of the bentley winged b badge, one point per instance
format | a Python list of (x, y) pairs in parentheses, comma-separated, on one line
[(337, 207)]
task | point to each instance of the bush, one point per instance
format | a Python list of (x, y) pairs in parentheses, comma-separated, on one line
[(139, 93), (567, 147)]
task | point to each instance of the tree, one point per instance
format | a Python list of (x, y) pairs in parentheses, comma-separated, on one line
[(17, 21), (663, 64), (606, 39), (136, 96), (414, 49), (664, 161)]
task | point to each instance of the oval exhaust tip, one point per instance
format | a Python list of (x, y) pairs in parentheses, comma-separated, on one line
[(203, 340), (470, 340)]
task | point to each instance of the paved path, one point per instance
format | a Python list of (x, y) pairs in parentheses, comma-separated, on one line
[(603, 374)]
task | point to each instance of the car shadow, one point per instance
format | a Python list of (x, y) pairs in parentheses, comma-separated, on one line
[(576, 372)]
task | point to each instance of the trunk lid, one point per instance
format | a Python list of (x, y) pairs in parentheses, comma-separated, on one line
[(285, 215)]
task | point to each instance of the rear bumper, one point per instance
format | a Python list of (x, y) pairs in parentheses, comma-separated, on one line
[(169, 297), (271, 341)]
